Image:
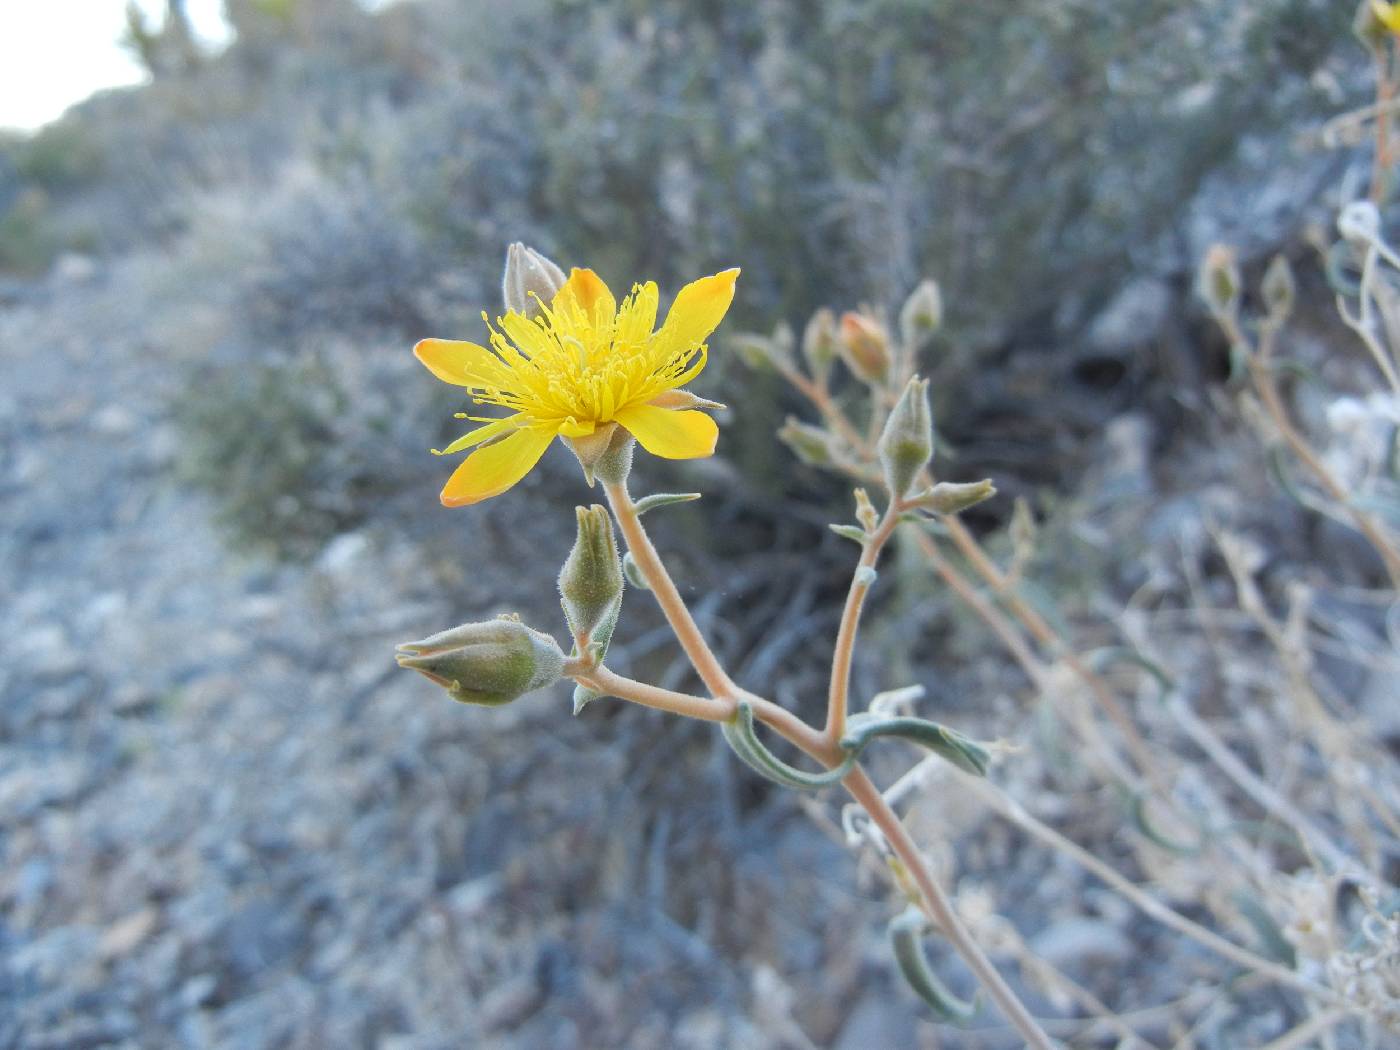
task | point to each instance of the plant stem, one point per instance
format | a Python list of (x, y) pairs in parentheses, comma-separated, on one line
[(1167, 916), (821, 746), (601, 680), (940, 909), (839, 691), (673, 606)]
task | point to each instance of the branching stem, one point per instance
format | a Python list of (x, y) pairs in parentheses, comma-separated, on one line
[(821, 745)]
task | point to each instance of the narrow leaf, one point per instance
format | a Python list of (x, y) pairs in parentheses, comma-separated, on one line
[(967, 755), (740, 736), (663, 499), (906, 940), (852, 532)]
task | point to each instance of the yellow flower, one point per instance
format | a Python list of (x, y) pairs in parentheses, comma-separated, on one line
[(1388, 14), (581, 366)]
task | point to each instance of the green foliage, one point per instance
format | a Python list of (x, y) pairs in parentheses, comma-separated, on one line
[(27, 244), (289, 458), (61, 157)]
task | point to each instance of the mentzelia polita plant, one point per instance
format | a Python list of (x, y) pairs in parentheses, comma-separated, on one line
[(568, 361)]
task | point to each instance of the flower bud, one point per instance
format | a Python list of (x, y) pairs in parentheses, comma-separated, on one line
[(906, 445), (590, 583), (1218, 281), (490, 663), (865, 347), (922, 315), (530, 280), (819, 342), (950, 497), (760, 352), (810, 444), (1279, 289)]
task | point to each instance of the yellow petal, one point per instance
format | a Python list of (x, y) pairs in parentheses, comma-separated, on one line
[(1388, 14), (477, 436), (462, 364), (671, 435), (491, 470), (585, 290), (697, 311)]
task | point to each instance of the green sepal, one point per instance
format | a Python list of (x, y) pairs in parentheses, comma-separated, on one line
[(597, 650), (967, 755), (852, 532), (906, 940), (743, 741), (633, 573), (583, 696), (663, 499)]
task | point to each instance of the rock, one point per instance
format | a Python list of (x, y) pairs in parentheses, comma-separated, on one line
[(1133, 317), (47, 650), (126, 934), (1080, 942), (873, 1023)]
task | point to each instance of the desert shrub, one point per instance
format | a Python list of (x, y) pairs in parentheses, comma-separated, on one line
[(296, 449)]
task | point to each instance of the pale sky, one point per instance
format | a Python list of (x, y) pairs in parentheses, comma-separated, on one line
[(54, 53)]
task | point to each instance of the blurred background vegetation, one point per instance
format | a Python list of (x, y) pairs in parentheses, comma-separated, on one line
[(242, 252), (353, 177)]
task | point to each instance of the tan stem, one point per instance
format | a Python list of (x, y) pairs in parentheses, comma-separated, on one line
[(1263, 381), (1018, 815), (601, 680), (1381, 163), (839, 691), (673, 606), (819, 745), (1046, 635), (940, 909)]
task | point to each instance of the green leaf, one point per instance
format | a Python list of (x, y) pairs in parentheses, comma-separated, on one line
[(852, 532), (1273, 943), (967, 755), (1102, 659), (663, 499), (1137, 810), (740, 736), (906, 940)]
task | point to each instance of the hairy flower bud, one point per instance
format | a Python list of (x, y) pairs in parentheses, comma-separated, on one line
[(906, 445), (810, 444), (921, 315), (1279, 289), (865, 347), (1218, 280), (489, 663), (760, 352), (530, 280), (590, 583), (819, 342)]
